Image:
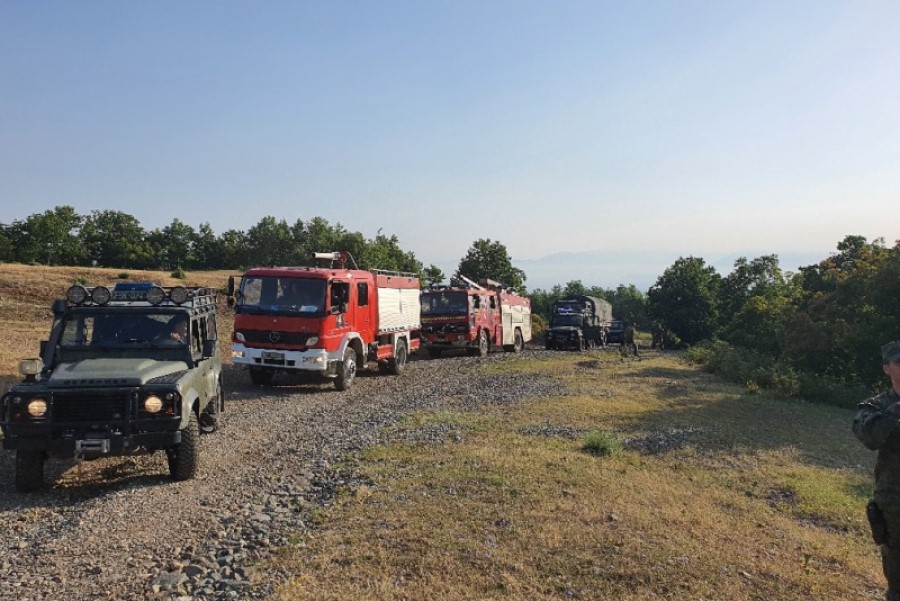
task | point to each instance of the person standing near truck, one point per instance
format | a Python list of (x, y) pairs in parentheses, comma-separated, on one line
[(629, 345), (876, 426)]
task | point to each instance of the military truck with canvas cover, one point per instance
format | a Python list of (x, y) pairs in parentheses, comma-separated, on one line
[(578, 322), (128, 369)]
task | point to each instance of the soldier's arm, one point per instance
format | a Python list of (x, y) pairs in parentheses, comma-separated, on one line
[(874, 422)]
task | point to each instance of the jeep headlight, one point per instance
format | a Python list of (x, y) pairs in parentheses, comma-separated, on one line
[(37, 407), (153, 404)]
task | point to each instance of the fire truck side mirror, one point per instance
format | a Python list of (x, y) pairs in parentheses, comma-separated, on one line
[(43, 347)]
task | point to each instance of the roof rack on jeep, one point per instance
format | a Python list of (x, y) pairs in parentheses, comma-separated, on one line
[(141, 293)]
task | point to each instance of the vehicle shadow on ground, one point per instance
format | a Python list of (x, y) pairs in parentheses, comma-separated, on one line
[(71, 482)]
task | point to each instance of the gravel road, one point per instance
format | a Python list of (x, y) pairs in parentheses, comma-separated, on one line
[(118, 528)]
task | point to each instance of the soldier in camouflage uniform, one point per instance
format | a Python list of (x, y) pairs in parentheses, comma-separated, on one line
[(876, 426)]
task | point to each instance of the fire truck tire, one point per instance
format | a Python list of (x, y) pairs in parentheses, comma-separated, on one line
[(483, 347), (185, 457), (397, 363), (517, 345), (261, 377), (29, 470), (346, 371)]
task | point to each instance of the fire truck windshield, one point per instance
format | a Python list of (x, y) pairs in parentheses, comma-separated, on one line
[(445, 302), (280, 295)]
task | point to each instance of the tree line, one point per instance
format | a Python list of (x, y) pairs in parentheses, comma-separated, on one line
[(827, 319), (115, 239)]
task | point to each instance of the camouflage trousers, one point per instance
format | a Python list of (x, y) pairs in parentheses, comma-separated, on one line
[(884, 519)]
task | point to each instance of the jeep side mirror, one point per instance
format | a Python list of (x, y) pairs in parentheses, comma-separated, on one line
[(209, 348), (231, 287)]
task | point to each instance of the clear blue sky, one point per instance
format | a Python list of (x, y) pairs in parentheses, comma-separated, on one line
[(673, 128)]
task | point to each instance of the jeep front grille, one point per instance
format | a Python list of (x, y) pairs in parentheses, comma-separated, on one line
[(91, 406)]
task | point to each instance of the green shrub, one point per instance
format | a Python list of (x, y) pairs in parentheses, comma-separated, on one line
[(179, 274), (124, 275), (601, 443), (81, 280)]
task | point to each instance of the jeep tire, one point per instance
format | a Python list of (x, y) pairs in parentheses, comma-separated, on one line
[(185, 457)]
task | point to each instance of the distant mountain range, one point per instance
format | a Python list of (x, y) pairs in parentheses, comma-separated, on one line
[(610, 269)]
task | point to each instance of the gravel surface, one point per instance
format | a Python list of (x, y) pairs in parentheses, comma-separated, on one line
[(118, 528)]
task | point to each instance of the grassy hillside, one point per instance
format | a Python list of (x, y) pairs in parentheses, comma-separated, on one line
[(712, 494), (27, 291)]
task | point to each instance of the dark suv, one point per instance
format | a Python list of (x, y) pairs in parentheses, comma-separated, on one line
[(135, 368), (616, 333)]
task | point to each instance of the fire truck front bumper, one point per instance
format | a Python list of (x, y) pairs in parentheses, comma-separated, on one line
[(446, 341), (312, 360)]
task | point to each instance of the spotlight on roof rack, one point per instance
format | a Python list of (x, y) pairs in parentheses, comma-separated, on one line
[(178, 294), (155, 295), (77, 294), (100, 295)]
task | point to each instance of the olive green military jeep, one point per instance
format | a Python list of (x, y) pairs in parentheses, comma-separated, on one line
[(131, 369)]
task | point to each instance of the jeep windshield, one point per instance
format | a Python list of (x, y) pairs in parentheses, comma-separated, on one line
[(106, 329), (271, 295), (445, 303)]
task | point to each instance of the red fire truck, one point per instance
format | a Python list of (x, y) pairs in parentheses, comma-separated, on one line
[(474, 317), (325, 322)]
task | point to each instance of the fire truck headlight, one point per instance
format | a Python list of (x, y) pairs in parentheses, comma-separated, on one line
[(237, 354), (239, 337), (312, 340), (37, 407)]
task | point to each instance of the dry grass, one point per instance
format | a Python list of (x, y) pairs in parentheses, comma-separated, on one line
[(715, 495), (27, 291)]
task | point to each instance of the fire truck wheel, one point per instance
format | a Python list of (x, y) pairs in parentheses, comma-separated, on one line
[(29, 470), (261, 377), (346, 370), (519, 344), (397, 363), (482, 344), (184, 458)]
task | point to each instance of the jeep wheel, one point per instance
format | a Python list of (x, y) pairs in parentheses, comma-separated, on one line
[(346, 371), (29, 470), (184, 458), (397, 363), (261, 377)]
